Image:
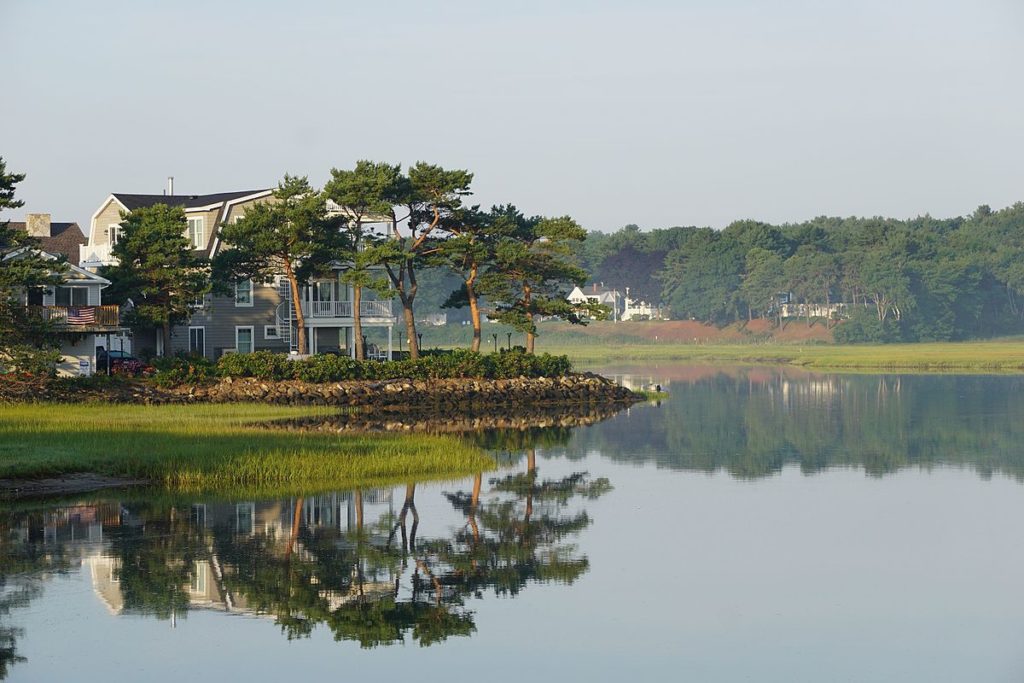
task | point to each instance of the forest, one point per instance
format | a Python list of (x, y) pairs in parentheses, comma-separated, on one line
[(923, 279)]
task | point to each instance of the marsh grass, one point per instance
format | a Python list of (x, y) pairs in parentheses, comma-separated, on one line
[(988, 356), (210, 448)]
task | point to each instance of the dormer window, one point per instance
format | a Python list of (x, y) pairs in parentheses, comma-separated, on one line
[(197, 232)]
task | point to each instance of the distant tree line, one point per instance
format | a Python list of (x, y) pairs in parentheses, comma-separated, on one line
[(903, 280)]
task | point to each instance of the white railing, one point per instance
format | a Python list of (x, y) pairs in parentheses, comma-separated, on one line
[(343, 309), (96, 255)]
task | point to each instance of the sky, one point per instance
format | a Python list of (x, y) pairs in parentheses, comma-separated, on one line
[(658, 113)]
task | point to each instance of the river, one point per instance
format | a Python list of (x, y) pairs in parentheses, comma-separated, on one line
[(763, 524)]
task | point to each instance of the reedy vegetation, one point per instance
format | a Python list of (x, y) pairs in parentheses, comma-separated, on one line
[(215, 448)]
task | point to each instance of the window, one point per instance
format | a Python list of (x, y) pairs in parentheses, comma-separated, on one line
[(198, 302), (324, 291), (243, 339), (197, 516), (197, 340), (270, 332), (197, 232), (113, 233), (243, 293), (71, 296), (197, 586), (245, 517)]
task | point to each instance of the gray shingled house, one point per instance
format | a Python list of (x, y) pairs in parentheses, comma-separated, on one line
[(257, 316)]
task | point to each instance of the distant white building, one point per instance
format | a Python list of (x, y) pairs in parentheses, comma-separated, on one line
[(621, 307), (598, 294)]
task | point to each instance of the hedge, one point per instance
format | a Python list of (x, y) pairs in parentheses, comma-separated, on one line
[(457, 364)]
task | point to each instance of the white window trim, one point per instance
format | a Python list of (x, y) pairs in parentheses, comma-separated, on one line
[(274, 336), (252, 337), (197, 327), (113, 233), (251, 295), (202, 229)]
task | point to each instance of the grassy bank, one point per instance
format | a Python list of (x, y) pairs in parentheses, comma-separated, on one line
[(214, 448), (988, 356)]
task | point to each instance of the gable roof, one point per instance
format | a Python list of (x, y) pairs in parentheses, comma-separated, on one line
[(187, 201), (64, 238), (72, 272)]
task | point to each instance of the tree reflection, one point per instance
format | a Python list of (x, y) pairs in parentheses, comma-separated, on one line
[(25, 563), (753, 422), (342, 561)]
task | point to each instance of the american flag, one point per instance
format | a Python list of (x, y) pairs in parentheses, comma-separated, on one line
[(81, 316)]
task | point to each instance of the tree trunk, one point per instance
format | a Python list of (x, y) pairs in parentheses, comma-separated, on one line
[(166, 333), (296, 519), (474, 503), (530, 331), (300, 319), (357, 322), (474, 312), (531, 478), (410, 328)]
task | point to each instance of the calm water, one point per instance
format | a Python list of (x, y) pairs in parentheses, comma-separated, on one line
[(760, 524)]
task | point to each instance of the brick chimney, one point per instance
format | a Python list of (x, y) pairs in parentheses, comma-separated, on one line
[(37, 224)]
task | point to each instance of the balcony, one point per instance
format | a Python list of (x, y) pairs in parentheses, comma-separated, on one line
[(95, 255), (82, 318), (343, 309)]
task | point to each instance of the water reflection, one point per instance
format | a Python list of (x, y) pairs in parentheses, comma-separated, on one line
[(356, 563), (752, 422), (469, 420)]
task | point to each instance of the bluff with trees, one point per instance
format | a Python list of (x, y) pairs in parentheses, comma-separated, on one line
[(923, 279)]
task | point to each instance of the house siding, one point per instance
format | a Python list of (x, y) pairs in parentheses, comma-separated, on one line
[(109, 215), (220, 316)]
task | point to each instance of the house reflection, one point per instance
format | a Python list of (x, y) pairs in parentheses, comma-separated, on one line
[(357, 563), (207, 586)]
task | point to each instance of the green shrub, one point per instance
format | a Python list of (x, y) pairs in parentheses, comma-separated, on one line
[(327, 368), (182, 369), (865, 327), (260, 364), (516, 363), (456, 364)]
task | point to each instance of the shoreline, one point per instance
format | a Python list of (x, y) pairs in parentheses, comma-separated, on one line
[(976, 357), (572, 389)]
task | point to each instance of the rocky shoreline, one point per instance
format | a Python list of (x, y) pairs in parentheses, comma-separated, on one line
[(399, 394)]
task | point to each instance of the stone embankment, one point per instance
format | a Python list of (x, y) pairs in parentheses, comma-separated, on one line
[(396, 394), (581, 388)]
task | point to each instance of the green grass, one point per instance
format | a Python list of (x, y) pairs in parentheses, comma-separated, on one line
[(216, 448), (987, 356)]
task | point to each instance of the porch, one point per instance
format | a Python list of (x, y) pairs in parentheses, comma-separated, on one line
[(82, 319)]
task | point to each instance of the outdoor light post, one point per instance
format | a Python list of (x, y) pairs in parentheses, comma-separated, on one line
[(495, 335), (509, 340), (419, 338)]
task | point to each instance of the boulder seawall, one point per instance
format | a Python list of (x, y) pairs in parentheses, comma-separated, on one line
[(395, 394)]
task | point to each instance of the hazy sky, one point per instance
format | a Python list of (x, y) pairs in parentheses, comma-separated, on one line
[(656, 113)]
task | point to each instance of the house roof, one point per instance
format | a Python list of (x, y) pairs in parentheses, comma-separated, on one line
[(64, 238), (188, 201)]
